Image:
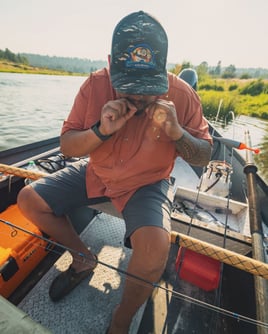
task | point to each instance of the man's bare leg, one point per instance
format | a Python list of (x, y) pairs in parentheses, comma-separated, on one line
[(150, 252), (60, 229)]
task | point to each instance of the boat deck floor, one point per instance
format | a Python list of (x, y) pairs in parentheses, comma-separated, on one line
[(88, 308)]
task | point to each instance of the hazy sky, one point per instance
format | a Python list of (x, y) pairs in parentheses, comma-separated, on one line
[(233, 31)]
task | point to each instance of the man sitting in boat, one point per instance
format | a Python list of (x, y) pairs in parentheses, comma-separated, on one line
[(132, 120)]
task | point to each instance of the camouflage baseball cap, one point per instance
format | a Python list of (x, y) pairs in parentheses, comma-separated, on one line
[(139, 55)]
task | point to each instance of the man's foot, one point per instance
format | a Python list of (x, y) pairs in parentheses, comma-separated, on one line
[(66, 281)]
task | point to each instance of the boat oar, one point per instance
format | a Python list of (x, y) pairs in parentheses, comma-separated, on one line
[(236, 144), (261, 285), (234, 259)]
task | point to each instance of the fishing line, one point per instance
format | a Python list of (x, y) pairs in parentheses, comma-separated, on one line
[(191, 220), (217, 179), (217, 309), (218, 294), (82, 255), (144, 282)]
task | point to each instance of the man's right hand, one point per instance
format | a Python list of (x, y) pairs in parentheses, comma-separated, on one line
[(115, 114)]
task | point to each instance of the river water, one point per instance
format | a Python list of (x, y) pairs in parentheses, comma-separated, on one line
[(33, 107)]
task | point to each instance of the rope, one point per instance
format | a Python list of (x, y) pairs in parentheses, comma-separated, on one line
[(20, 172), (239, 261)]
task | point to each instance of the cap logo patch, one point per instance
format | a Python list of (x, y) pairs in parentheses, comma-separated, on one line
[(140, 56)]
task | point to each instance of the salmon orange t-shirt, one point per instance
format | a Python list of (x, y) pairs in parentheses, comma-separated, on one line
[(139, 153)]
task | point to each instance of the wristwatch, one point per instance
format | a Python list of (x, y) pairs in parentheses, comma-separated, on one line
[(95, 129)]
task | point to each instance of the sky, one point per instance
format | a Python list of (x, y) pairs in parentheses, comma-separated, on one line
[(234, 32)]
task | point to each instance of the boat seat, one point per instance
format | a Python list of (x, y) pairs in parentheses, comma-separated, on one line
[(107, 207), (187, 178), (82, 216)]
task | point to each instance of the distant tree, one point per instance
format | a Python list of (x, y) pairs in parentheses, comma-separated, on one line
[(245, 76), (176, 69), (202, 70), (217, 71), (22, 59), (179, 67), (10, 55), (229, 72), (186, 64), (15, 58)]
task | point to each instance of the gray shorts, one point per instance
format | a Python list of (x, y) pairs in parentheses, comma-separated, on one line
[(65, 191)]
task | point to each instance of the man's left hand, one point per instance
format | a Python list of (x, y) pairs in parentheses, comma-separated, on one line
[(163, 115)]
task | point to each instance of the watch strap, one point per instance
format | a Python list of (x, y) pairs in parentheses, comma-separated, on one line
[(95, 129)]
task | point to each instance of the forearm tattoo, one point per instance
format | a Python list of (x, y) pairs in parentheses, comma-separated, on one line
[(195, 151)]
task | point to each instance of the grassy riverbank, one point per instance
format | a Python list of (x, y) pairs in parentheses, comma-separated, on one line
[(243, 97), (10, 67)]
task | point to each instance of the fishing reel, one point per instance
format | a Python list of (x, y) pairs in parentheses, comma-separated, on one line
[(216, 180)]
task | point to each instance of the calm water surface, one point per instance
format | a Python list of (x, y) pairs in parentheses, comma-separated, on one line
[(33, 107)]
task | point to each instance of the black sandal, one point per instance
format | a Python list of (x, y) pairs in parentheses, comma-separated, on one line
[(66, 281)]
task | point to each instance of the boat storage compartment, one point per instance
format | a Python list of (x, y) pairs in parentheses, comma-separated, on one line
[(20, 252), (210, 212), (198, 269)]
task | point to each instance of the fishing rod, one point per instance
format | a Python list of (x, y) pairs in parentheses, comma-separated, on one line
[(236, 144), (224, 255), (228, 142), (217, 115), (261, 286), (176, 294), (65, 248)]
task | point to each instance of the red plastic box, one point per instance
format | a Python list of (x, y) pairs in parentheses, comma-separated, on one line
[(198, 269)]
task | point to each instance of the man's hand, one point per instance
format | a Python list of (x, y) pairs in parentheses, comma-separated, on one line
[(163, 115), (115, 114)]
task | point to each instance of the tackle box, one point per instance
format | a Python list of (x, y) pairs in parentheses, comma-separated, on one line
[(20, 252)]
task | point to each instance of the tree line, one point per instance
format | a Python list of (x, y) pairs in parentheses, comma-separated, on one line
[(15, 58), (83, 66), (218, 71), (74, 65)]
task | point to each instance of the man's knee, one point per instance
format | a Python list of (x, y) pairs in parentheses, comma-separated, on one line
[(151, 247), (29, 200)]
